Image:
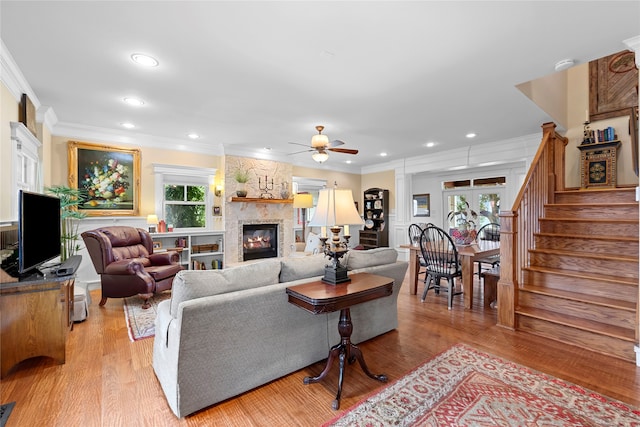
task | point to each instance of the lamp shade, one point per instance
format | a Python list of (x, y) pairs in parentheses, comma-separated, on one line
[(152, 219), (335, 207), (302, 200), (320, 156)]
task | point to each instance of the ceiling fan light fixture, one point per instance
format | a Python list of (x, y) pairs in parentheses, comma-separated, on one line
[(319, 140), (320, 156)]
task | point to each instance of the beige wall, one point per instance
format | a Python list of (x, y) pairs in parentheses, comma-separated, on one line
[(344, 180), (578, 93), (385, 180), (8, 113), (148, 156)]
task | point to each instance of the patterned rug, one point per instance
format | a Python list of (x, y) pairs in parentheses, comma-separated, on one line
[(466, 387), (140, 323)]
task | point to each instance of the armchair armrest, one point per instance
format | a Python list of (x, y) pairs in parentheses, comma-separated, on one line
[(164, 258), (125, 267)]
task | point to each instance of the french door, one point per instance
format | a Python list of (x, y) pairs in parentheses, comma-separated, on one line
[(485, 201)]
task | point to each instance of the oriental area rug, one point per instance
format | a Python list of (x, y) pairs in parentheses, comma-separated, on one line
[(466, 387), (141, 323)]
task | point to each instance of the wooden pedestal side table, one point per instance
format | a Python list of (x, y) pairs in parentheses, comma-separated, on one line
[(318, 297), (37, 314)]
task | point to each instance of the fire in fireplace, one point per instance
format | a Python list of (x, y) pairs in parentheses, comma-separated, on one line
[(259, 241)]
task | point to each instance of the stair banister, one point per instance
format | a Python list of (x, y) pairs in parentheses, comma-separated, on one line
[(517, 226)]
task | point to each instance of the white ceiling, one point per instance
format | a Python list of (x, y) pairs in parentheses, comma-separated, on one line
[(381, 76)]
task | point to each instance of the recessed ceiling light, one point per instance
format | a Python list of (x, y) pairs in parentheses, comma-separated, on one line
[(348, 162), (470, 135), (430, 144), (128, 125), (383, 154), (267, 148), (193, 135), (136, 102), (146, 60)]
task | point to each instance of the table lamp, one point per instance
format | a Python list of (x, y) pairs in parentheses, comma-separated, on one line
[(303, 201), (152, 221), (335, 209)]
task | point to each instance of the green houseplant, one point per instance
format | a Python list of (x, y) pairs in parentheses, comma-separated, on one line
[(242, 177), (70, 198)]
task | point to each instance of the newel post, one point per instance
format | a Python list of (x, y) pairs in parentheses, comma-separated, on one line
[(507, 285)]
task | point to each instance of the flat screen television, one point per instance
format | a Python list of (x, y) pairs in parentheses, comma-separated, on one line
[(38, 232)]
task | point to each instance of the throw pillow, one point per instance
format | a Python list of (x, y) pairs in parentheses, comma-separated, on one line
[(313, 243)]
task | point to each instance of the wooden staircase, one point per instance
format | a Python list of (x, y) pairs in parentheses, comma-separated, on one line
[(581, 285), (569, 259)]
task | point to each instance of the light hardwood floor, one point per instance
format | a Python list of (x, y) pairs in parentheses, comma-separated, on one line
[(108, 380)]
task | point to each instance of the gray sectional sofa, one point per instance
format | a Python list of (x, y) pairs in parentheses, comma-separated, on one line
[(227, 331)]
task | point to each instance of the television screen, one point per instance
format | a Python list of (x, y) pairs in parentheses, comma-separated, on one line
[(38, 230)]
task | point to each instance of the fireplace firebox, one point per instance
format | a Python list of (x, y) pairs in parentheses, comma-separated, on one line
[(259, 241)]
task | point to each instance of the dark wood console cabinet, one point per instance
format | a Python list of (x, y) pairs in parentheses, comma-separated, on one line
[(37, 314)]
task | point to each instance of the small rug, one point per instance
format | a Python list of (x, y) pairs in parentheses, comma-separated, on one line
[(466, 387), (141, 323)]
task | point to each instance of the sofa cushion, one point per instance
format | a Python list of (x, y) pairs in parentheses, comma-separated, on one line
[(369, 258), (302, 268), (191, 284)]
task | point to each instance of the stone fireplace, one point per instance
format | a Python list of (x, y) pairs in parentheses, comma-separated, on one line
[(259, 241), (253, 211)]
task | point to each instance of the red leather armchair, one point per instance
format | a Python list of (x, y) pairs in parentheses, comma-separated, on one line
[(124, 259)]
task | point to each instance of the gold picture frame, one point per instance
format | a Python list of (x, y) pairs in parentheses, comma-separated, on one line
[(109, 175)]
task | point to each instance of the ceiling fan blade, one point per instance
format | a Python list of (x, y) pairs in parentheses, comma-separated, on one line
[(335, 143), (343, 150), (298, 152), (297, 143)]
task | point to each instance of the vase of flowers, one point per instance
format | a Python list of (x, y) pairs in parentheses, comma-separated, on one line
[(107, 181), (464, 218)]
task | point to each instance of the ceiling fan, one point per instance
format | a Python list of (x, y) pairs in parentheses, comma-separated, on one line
[(320, 145)]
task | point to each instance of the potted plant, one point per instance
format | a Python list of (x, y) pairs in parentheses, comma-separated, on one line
[(70, 198), (241, 176), (464, 219)]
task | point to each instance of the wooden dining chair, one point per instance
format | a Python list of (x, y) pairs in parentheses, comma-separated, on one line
[(415, 231), (441, 258), (489, 232)]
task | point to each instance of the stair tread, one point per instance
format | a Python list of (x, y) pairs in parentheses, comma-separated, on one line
[(581, 297), (583, 275), (593, 220), (618, 332), (590, 237), (618, 257)]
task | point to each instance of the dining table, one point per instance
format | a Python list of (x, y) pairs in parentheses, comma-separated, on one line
[(467, 254)]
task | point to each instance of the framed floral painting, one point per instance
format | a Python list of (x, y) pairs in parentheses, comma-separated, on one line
[(109, 177)]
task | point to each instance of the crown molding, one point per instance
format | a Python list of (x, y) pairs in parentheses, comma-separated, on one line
[(93, 133), (13, 79)]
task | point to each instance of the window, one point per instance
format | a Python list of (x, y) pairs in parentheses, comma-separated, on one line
[(185, 205), (483, 196), (26, 162), (182, 195)]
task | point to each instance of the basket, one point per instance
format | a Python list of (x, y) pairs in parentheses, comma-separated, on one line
[(210, 247)]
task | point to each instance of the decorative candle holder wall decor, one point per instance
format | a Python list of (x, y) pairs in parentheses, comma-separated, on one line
[(109, 175), (268, 186)]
